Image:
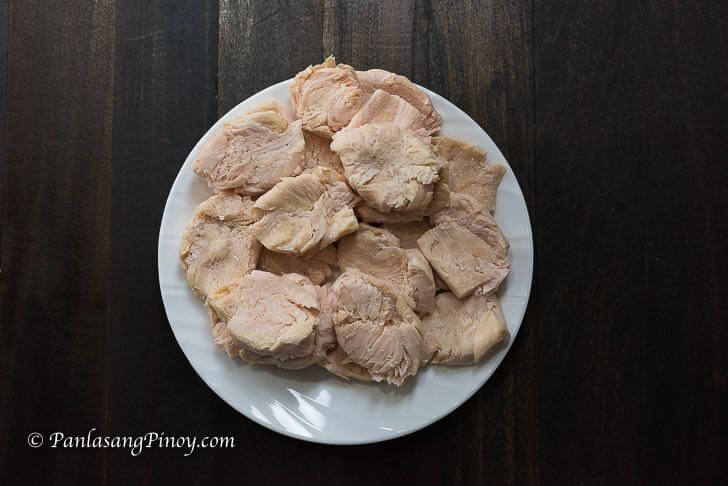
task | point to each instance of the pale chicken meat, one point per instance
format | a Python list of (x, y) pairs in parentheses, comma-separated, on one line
[(440, 200), (220, 334), (376, 252), (324, 341), (326, 96), (469, 173), (251, 153), (218, 244), (338, 363), (463, 331), (466, 263), (318, 153), (270, 114), (383, 107), (289, 276), (317, 265), (375, 79), (408, 233), (468, 213), (376, 327), (305, 213), (335, 360), (389, 167), (370, 215), (270, 315)]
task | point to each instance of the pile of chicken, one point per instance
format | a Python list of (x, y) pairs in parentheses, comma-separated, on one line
[(320, 243)]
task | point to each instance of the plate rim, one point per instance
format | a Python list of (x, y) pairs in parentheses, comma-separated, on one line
[(393, 434)]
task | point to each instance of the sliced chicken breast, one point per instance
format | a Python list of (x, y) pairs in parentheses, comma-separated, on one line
[(318, 153), (376, 252), (218, 244), (326, 96), (317, 265), (468, 213), (466, 263), (375, 79), (220, 334), (468, 171), (408, 233), (383, 107), (376, 327), (270, 314), (370, 215), (306, 212), (390, 168), (338, 363), (324, 341), (251, 154), (270, 114), (463, 331)]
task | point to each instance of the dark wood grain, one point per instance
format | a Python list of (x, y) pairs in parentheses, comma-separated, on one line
[(164, 100), (54, 283), (370, 34), (260, 43), (631, 325), (612, 115), (4, 21), (686, 270), (590, 273)]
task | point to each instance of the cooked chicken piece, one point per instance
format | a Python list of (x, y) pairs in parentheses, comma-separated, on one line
[(251, 153), (338, 363), (217, 244), (371, 215), (439, 284), (317, 265), (326, 96), (469, 172), (318, 153), (468, 213), (220, 334), (376, 327), (462, 332), (383, 107), (324, 340), (440, 200), (270, 314), (306, 212), (374, 79), (390, 168), (270, 114), (408, 233), (376, 252), (465, 263)]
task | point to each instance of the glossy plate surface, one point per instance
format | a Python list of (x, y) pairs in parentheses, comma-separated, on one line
[(312, 404)]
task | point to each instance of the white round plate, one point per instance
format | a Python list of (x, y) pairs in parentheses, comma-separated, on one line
[(312, 404)]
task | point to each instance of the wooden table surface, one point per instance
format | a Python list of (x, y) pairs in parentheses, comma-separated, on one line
[(613, 115)]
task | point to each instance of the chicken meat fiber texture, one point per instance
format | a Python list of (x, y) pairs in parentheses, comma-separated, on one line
[(376, 327), (376, 252), (217, 244), (326, 96), (347, 234), (252, 152), (468, 172), (463, 331), (389, 167), (307, 212), (464, 262), (268, 314)]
